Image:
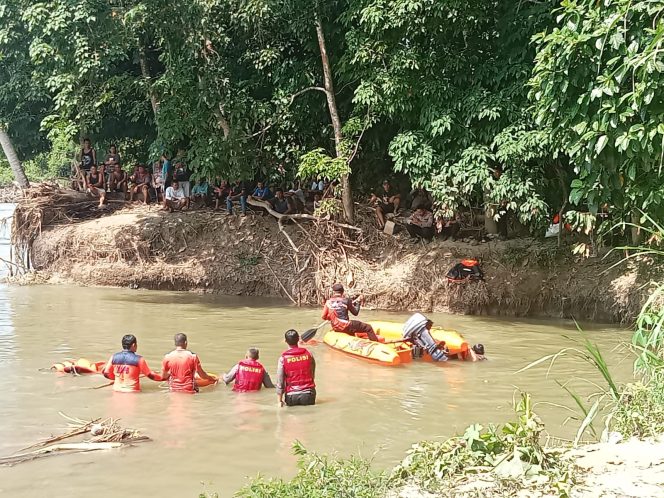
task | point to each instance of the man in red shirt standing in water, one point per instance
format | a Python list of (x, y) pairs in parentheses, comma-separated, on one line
[(295, 374), (336, 311), (125, 367), (249, 374), (180, 366)]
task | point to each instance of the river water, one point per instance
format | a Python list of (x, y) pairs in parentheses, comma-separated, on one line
[(216, 439)]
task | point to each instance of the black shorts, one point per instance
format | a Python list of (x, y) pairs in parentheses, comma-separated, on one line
[(302, 399), (386, 207)]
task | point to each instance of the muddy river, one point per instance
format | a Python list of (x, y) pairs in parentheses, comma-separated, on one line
[(217, 439)]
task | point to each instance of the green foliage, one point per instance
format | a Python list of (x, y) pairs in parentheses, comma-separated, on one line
[(321, 477), (640, 410), (318, 164), (598, 85), (512, 452), (462, 109)]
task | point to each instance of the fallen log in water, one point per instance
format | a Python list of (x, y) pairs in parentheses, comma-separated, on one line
[(106, 435)]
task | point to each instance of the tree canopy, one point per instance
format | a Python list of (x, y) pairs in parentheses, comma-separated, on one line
[(530, 105)]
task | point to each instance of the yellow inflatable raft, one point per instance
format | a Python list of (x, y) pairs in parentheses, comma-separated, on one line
[(377, 352), (453, 340)]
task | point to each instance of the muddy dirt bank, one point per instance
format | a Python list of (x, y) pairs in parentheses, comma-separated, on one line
[(211, 252)]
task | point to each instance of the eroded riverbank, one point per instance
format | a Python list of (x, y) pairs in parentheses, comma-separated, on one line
[(205, 251)]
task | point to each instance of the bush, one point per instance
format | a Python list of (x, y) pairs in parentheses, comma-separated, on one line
[(640, 410), (322, 477)]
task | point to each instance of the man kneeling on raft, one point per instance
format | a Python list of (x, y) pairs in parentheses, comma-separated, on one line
[(125, 367), (180, 367), (336, 312), (249, 375)]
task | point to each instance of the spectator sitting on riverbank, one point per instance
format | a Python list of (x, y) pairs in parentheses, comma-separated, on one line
[(249, 375), (261, 193), (279, 202), (221, 192), (420, 224), (238, 193), (95, 184), (386, 200), (141, 184), (199, 194), (448, 227), (175, 198), (117, 180)]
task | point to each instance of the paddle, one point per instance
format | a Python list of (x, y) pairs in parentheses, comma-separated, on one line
[(309, 334)]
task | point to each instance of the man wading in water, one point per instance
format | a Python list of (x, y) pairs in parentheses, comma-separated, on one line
[(180, 366), (125, 367), (295, 374), (336, 312)]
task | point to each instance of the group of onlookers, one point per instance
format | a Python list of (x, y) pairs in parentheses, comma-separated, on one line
[(169, 182), (421, 224)]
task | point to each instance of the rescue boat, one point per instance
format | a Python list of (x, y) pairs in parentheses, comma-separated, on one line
[(377, 352), (453, 340)]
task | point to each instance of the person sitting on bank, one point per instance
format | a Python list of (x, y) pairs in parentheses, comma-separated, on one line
[(336, 311), (249, 375), (261, 193), (296, 371), (175, 198), (280, 203), (386, 200), (117, 180), (199, 194), (126, 367), (180, 366), (420, 224), (95, 184), (141, 185), (238, 193), (221, 190), (448, 227)]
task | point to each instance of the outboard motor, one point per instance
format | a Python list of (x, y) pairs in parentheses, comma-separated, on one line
[(416, 331)]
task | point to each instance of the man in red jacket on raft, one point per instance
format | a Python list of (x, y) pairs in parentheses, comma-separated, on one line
[(336, 310)]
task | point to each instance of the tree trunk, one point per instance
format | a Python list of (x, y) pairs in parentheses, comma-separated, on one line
[(10, 153), (636, 230), (490, 224), (347, 194), (145, 71)]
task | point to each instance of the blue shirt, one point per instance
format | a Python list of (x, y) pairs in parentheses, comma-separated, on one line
[(166, 169), (262, 193)]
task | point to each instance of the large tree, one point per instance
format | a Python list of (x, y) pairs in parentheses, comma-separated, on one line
[(599, 85)]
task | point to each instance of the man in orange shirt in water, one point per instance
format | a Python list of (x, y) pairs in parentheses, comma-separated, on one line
[(180, 367), (126, 367)]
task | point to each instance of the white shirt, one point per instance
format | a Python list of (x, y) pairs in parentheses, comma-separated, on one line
[(172, 194)]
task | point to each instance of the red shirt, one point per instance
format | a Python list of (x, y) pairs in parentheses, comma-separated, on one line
[(125, 368), (182, 365)]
